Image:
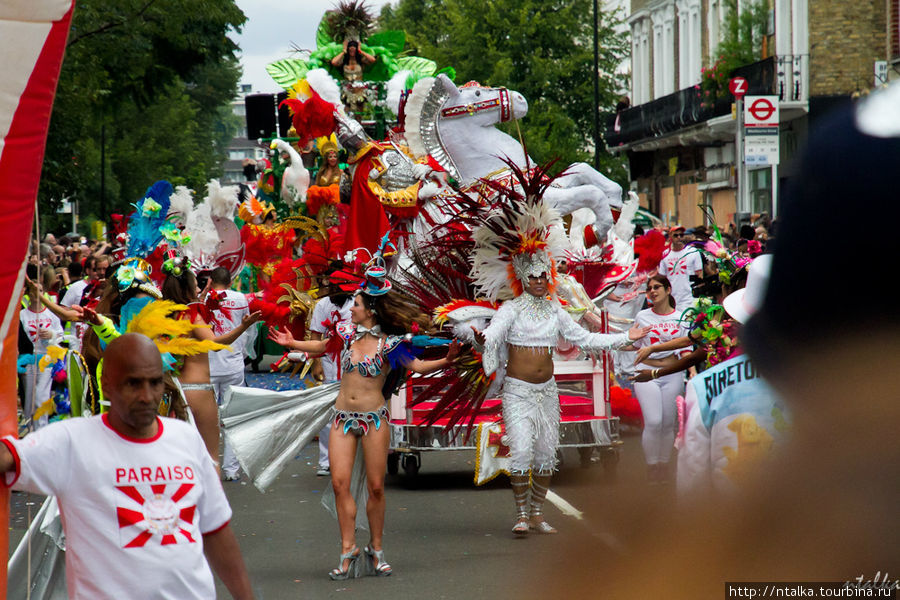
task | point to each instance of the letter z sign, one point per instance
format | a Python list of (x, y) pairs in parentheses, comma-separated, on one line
[(738, 87)]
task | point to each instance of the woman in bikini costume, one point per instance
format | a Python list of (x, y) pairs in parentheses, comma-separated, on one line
[(373, 344), (180, 286)]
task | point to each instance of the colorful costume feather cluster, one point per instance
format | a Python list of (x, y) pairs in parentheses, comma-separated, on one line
[(145, 225), (520, 231), (169, 334)]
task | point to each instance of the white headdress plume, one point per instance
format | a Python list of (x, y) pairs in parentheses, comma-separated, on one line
[(325, 85), (181, 203), (519, 238), (220, 203), (222, 200), (395, 88)]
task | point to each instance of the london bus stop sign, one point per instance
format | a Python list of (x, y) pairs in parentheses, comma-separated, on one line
[(761, 135)]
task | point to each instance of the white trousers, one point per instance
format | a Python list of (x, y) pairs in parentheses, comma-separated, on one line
[(531, 415), (38, 386), (659, 407), (221, 384)]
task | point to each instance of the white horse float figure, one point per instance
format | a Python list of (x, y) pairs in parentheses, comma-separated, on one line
[(455, 126), (453, 130)]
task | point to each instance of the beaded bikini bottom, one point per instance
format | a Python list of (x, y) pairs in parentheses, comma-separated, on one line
[(358, 423)]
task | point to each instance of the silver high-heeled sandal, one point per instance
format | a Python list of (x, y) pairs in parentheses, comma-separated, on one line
[(379, 565), (538, 494), (541, 527), (339, 573)]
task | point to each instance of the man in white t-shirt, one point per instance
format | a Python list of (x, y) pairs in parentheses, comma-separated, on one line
[(678, 265), (226, 367), (139, 497), (328, 312)]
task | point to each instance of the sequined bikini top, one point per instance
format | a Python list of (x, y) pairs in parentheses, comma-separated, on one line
[(369, 366)]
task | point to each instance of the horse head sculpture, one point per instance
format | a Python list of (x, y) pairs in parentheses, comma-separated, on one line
[(455, 126)]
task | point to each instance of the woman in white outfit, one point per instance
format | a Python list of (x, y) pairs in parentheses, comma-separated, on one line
[(657, 397)]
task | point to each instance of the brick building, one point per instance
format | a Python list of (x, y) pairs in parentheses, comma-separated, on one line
[(682, 151)]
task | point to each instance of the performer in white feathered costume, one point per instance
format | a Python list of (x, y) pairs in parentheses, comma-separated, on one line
[(514, 261)]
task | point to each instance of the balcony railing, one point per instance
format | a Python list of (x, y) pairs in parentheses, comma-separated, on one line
[(760, 77), (662, 116), (781, 76)]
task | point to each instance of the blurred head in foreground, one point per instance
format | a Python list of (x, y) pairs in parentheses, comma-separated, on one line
[(826, 511)]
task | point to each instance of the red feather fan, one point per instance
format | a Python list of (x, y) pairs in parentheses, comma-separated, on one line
[(649, 248), (311, 118)]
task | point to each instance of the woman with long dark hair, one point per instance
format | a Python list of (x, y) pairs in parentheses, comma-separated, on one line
[(373, 351), (657, 397), (180, 286), (351, 62)]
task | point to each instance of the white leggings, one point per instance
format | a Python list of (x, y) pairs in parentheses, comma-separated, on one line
[(659, 407), (531, 415)]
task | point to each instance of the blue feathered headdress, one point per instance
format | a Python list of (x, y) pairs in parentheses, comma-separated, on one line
[(145, 227)]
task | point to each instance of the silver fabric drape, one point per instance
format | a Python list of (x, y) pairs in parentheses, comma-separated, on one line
[(358, 489), (48, 558), (267, 429)]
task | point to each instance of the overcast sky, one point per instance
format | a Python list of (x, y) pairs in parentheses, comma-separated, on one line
[(273, 27)]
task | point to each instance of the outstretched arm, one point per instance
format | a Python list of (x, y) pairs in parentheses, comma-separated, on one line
[(673, 344), (203, 333), (577, 335), (423, 367), (64, 313), (689, 360), (224, 556), (284, 338)]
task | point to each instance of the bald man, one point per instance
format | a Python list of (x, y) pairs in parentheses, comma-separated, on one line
[(139, 496)]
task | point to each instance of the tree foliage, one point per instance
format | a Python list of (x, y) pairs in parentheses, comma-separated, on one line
[(540, 48), (147, 83), (742, 44), (744, 31)]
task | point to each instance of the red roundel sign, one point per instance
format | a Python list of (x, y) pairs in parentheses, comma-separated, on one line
[(738, 87), (762, 109)]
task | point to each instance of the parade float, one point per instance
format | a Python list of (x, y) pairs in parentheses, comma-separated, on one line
[(420, 149)]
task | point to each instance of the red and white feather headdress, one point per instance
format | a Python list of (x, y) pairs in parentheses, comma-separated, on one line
[(521, 236)]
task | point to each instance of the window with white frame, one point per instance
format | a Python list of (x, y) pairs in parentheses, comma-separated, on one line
[(689, 42), (714, 16)]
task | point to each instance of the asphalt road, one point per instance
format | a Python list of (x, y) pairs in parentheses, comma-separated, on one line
[(444, 537)]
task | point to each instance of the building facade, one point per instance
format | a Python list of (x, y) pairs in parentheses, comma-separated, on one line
[(240, 149), (683, 146)]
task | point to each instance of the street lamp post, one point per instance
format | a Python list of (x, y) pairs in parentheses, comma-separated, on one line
[(596, 90)]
